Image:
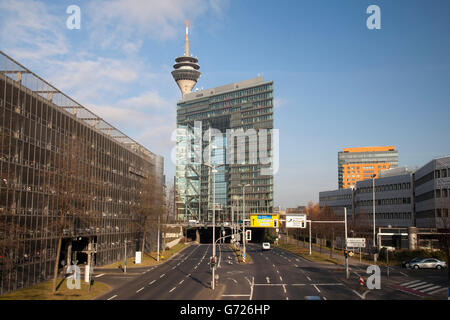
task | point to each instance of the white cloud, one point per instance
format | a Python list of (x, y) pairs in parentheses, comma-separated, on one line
[(91, 80), (30, 31), (117, 23)]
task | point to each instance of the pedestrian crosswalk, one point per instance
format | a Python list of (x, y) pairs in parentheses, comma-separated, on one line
[(424, 287)]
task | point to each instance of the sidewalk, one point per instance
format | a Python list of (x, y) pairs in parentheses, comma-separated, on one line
[(337, 254)]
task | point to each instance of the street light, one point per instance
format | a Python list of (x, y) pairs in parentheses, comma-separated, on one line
[(214, 170), (244, 239), (374, 229)]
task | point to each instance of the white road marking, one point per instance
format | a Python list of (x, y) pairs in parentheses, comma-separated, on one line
[(140, 290), (284, 288), (309, 277), (429, 289), (163, 275), (197, 265), (172, 289), (424, 286), (235, 295), (324, 298), (181, 281), (268, 279), (281, 279), (403, 274), (438, 290), (100, 275), (151, 282), (251, 288), (316, 288), (362, 296), (296, 265), (112, 297), (411, 282), (415, 285)]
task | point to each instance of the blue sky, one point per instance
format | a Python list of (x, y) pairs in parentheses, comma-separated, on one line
[(337, 83)]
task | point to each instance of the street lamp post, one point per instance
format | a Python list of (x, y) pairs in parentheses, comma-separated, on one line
[(214, 170), (244, 240), (374, 228)]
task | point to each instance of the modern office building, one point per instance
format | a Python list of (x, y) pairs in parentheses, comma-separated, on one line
[(358, 164), (338, 200), (245, 108), (403, 197), (58, 158), (228, 127), (432, 194), (394, 199)]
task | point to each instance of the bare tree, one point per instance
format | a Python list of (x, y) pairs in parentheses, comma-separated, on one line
[(71, 186), (149, 206)]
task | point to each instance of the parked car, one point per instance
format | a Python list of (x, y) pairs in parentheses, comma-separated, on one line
[(265, 246), (428, 263), (407, 263)]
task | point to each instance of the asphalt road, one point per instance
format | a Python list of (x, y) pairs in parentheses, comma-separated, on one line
[(272, 275)]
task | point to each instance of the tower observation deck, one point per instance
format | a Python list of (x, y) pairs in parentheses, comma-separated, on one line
[(186, 67)]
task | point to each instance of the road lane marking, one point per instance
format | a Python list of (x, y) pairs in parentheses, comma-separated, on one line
[(284, 288), (112, 297), (181, 281), (268, 279), (172, 289), (163, 275), (140, 290), (308, 278), (151, 282), (251, 288), (316, 288), (100, 275), (235, 295), (281, 279)]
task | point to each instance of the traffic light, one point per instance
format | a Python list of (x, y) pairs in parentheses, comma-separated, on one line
[(248, 235), (346, 253), (275, 223), (350, 253), (212, 262)]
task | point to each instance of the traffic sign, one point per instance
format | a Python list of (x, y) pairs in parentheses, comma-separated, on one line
[(264, 220), (295, 220), (356, 242)]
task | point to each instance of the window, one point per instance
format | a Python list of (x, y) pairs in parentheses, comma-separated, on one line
[(444, 193), (438, 193), (437, 174), (438, 213), (444, 173)]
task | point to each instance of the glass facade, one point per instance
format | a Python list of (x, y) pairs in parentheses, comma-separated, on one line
[(245, 106), (54, 151)]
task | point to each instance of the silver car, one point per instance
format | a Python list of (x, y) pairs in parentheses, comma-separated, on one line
[(430, 263)]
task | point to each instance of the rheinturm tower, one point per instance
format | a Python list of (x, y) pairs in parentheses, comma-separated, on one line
[(186, 68)]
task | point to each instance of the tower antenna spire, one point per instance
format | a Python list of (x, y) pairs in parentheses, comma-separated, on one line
[(185, 70), (186, 43)]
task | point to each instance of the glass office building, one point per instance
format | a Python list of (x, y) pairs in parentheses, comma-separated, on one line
[(207, 121), (37, 123)]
